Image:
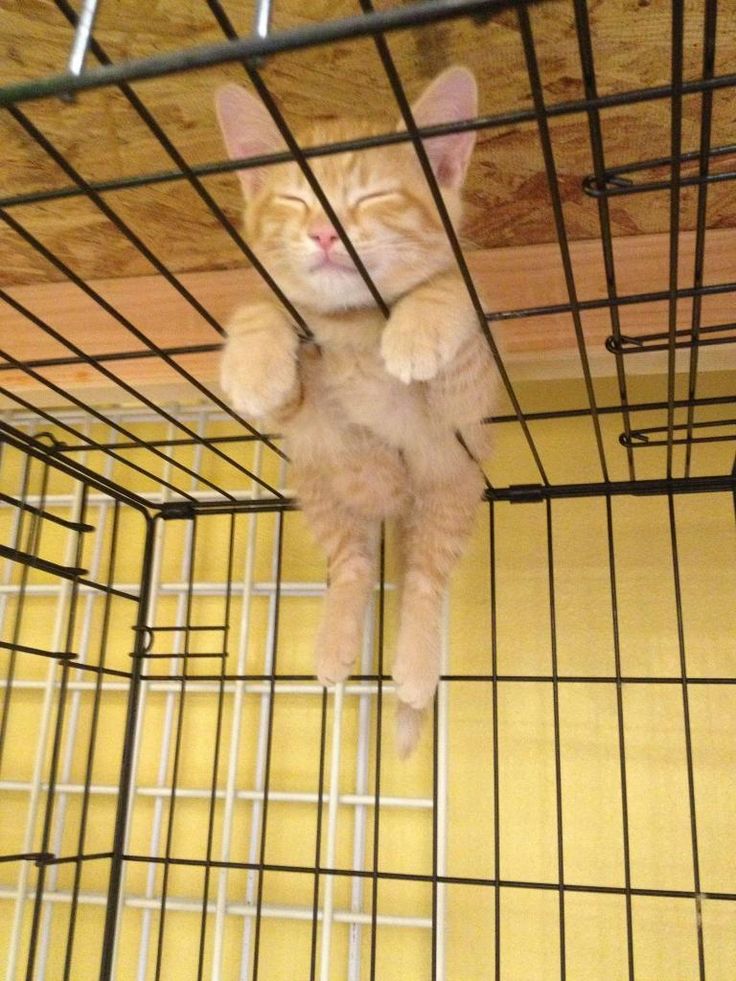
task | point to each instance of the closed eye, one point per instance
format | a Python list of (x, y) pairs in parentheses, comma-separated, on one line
[(290, 199), (374, 197)]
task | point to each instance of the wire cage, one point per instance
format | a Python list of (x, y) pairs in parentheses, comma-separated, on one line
[(181, 799)]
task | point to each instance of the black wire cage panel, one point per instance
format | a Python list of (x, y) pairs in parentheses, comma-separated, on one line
[(181, 799)]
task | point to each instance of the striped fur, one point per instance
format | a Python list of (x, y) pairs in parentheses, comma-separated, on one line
[(370, 412)]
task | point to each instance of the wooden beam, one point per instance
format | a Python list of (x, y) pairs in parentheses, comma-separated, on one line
[(510, 278)]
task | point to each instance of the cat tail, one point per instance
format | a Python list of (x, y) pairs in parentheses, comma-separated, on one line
[(408, 728)]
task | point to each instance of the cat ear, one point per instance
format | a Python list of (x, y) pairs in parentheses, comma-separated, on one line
[(452, 96), (248, 131)]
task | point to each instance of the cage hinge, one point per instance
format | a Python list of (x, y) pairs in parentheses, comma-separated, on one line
[(177, 509), (524, 493)]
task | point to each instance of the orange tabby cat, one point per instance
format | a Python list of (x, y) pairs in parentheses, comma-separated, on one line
[(370, 413)]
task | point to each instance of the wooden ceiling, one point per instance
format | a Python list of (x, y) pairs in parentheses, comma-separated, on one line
[(508, 201)]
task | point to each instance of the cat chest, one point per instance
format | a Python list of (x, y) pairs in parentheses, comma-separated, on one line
[(364, 394)]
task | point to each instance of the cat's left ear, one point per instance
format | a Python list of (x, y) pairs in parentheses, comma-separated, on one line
[(248, 131), (451, 97)]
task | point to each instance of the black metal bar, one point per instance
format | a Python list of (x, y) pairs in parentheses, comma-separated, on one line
[(225, 628), (493, 598), (374, 874), (53, 766), (587, 63), (21, 517), (25, 649), (545, 139), (318, 838), (411, 127), (131, 328), (693, 339), (125, 785), (261, 866), (191, 551), (556, 732), (676, 485), (374, 679), (115, 356), (450, 880), (706, 118), (253, 48), (193, 179), (92, 744), (621, 740), (654, 163), (46, 515), (34, 448), (641, 437), (678, 28), (688, 735)]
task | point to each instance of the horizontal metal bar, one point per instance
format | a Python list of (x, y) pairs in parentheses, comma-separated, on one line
[(45, 565), (646, 343), (249, 48), (33, 447), (24, 649), (311, 35), (640, 438), (419, 877), (45, 515), (113, 356), (527, 493)]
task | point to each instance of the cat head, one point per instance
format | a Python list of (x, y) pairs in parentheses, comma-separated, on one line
[(380, 196)]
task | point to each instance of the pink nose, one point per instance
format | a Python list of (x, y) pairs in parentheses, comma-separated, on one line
[(324, 235)]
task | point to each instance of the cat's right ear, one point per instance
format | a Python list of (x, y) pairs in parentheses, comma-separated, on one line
[(248, 131)]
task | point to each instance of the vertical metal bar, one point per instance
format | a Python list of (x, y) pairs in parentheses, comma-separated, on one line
[(217, 737), (58, 731), (408, 119), (678, 17), (545, 139), (236, 728), (496, 757), (263, 757), (128, 760), (327, 906), (182, 693), (587, 64), (263, 17), (706, 116), (556, 719), (44, 724), (93, 736), (272, 657), (360, 813), (377, 779), (443, 722), (17, 536), (82, 36), (435, 809), (318, 836), (167, 722), (621, 740), (688, 736), (81, 648)]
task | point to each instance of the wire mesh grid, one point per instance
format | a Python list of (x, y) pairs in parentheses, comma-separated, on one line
[(184, 800)]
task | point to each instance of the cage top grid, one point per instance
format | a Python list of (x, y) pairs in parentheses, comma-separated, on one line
[(677, 415)]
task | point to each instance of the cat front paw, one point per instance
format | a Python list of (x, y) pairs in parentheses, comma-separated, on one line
[(258, 369), (415, 351)]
